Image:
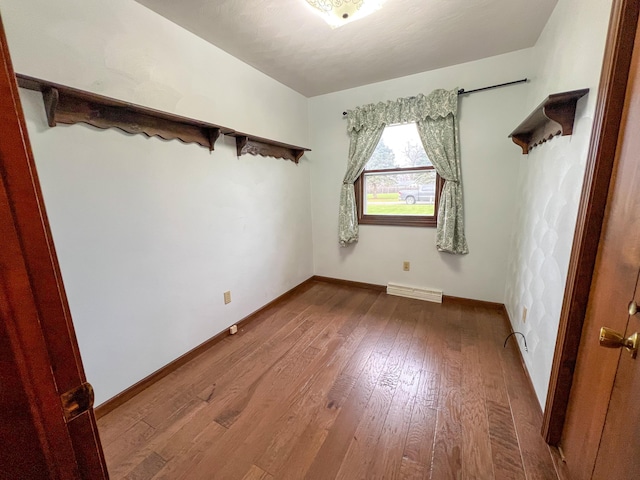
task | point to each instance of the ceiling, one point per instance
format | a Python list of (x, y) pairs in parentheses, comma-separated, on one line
[(287, 41)]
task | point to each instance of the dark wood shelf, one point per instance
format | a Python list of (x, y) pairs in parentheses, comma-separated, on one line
[(69, 106), (246, 143), (552, 117)]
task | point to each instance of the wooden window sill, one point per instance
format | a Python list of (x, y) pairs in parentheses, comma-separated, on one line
[(397, 220)]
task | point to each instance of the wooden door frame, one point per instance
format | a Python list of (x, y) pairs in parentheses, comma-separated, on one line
[(33, 303), (595, 190)]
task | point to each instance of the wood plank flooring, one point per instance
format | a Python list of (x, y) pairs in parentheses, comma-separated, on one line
[(340, 382)]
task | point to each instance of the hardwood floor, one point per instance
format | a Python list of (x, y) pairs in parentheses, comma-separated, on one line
[(340, 382)]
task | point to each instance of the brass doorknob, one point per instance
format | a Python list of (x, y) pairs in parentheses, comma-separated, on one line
[(633, 307), (612, 339)]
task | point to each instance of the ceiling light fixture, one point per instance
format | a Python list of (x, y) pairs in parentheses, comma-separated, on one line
[(339, 12)]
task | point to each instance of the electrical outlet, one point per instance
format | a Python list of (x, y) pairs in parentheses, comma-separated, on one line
[(524, 314), (406, 266), (227, 297)]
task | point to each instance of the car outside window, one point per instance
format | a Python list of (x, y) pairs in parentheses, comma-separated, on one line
[(399, 185)]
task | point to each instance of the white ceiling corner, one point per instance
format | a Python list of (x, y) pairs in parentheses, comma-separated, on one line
[(287, 41)]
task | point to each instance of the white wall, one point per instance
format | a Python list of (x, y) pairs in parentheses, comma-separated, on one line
[(124, 50), (150, 233), (489, 172), (567, 56)]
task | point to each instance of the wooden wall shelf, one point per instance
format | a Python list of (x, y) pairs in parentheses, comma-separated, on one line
[(552, 117), (69, 105), (246, 143)]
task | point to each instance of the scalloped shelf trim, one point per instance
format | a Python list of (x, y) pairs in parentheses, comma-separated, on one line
[(554, 116), (68, 105), (250, 144)]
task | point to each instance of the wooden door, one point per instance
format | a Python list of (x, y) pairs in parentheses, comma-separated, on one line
[(601, 436), (39, 358)]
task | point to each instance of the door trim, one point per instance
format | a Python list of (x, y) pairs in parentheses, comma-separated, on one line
[(33, 303), (593, 200)]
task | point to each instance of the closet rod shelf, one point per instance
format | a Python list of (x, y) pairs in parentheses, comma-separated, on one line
[(554, 116)]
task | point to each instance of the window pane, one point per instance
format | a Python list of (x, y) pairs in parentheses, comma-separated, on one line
[(400, 193), (399, 147)]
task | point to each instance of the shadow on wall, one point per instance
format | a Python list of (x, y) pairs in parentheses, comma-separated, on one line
[(345, 252), (452, 261)]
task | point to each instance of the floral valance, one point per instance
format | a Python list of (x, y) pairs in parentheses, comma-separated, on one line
[(438, 104)]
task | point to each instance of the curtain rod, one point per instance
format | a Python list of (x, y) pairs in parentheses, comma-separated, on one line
[(462, 91)]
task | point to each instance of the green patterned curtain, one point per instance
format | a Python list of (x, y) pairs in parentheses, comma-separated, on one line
[(441, 142), (363, 143), (436, 117)]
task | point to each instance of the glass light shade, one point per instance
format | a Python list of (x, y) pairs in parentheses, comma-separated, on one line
[(340, 12)]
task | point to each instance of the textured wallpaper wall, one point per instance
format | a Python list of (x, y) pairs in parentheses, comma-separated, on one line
[(550, 180)]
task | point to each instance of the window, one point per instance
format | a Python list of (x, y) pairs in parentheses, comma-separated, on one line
[(399, 185)]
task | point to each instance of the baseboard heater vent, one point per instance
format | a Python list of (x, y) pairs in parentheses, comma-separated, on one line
[(428, 294)]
